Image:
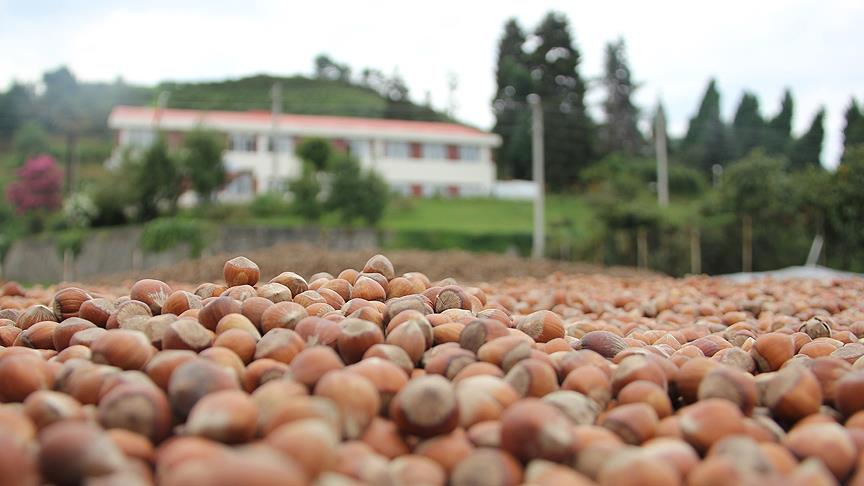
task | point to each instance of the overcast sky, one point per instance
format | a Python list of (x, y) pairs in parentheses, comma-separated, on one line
[(813, 47)]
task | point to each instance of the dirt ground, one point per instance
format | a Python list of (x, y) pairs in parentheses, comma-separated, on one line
[(306, 260)]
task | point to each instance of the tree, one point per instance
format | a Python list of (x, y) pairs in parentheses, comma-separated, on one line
[(305, 190), (157, 181), (778, 132), (706, 143), (327, 68), (203, 162), (29, 141), (806, 151), (853, 132), (569, 131), (846, 217), (620, 131), (316, 151), (356, 194), (16, 106), (512, 119), (37, 187), (747, 126)]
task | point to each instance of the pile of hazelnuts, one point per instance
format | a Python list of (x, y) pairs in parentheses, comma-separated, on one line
[(370, 377)]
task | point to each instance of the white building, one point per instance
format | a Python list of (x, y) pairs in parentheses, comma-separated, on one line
[(415, 157)]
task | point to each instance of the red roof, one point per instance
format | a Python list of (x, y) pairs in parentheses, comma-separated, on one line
[(264, 117)]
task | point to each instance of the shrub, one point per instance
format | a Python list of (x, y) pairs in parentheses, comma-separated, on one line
[(165, 233)]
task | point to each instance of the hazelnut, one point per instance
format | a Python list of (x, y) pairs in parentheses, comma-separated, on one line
[(208, 289), (483, 398), (63, 333), (275, 292), (128, 312), (603, 342), (241, 292), (187, 334), (133, 445), (253, 308), (262, 371), (241, 342), (848, 392), (414, 336), (86, 337), (142, 409), (46, 407), (213, 311), (179, 302), (387, 377), (38, 336), (154, 293), (771, 350), (580, 409), (163, 364), (380, 264), (481, 331), (237, 321), (308, 298), (589, 381), (71, 451), (255, 466), (317, 330), (392, 353), (295, 283), (532, 377), (128, 350), (793, 393), (22, 374), (486, 434), (383, 436), (240, 271), (74, 352), (194, 379), (487, 467), (34, 314), (426, 406), (67, 302), (354, 395), (542, 326), (312, 363), (228, 416), (414, 469), (637, 367), (707, 421), (225, 358), (634, 423), (356, 337), (478, 368), (730, 384), (642, 391), (828, 442), (279, 344), (690, 376), (636, 468), (368, 289), (282, 315), (506, 351), (545, 472), (311, 442), (533, 429), (447, 361)]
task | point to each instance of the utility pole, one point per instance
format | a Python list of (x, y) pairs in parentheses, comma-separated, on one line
[(161, 103), (662, 157), (276, 111), (537, 171)]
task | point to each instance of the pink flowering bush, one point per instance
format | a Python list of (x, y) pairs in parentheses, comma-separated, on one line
[(38, 186)]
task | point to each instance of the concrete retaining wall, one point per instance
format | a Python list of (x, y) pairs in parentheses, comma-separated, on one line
[(37, 259)]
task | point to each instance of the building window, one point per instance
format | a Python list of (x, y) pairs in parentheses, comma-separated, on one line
[(434, 151), (140, 138), (241, 184), (396, 150), (242, 142), (284, 145), (359, 149), (469, 152)]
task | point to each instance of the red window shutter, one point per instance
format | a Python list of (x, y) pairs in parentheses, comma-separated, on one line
[(416, 190), (453, 191), (415, 151), (452, 152)]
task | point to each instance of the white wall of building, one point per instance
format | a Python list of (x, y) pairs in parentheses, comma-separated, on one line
[(432, 170)]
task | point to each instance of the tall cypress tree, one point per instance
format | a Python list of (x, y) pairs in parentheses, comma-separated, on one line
[(747, 126), (853, 132), (706, 142), (512, 119), (778, 133), (568, 129), (620, 132), (806, 150)]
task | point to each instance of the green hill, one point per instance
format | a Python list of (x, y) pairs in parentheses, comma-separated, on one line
[(299, 95)]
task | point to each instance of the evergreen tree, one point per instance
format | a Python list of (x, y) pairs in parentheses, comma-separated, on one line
[(778, 133), (512, 119), (807, 149), (747, 126), (620, 131), (853, 132), (568, 129), (706, 142)]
